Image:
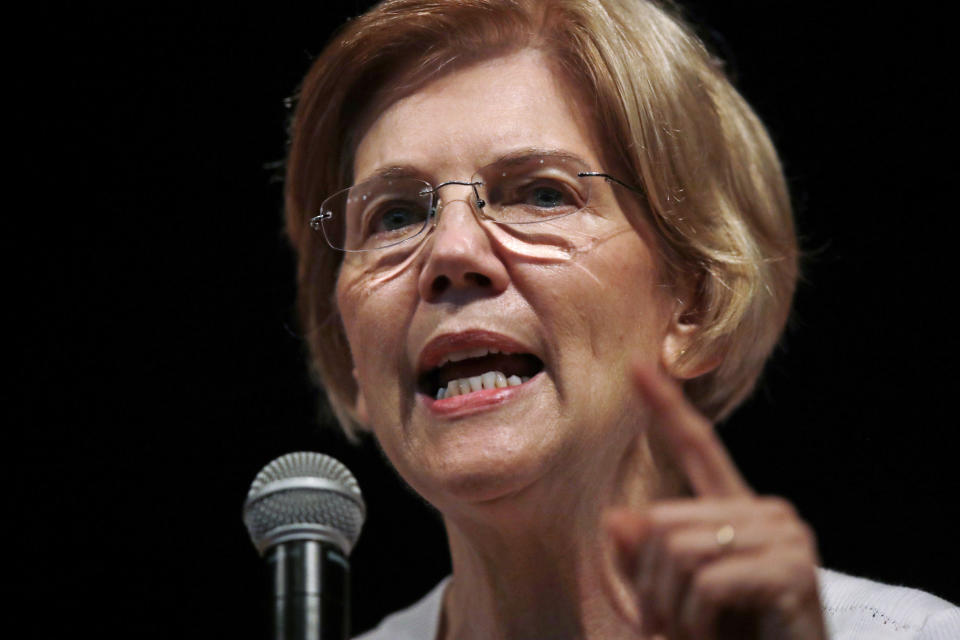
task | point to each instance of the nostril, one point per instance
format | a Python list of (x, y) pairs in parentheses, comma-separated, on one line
[(440, 284), (478, 279)]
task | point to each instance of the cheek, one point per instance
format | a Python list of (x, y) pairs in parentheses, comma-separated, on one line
[(375, 314), (612, 295), (615, 313), (602, 310)]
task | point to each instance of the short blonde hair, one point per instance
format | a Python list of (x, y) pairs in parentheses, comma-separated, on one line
[(669, 118)]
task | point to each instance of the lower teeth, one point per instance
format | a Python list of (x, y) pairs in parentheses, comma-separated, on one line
[(489, 380)]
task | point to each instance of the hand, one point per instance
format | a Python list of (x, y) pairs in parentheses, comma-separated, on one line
[(724, 564)]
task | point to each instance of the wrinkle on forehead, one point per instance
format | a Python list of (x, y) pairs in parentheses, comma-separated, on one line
[(450, 126), (436, 126)]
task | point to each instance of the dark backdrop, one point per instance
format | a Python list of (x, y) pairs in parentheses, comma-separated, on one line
[(157, 365)]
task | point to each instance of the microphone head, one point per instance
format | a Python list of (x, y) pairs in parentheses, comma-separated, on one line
[(304, 496)]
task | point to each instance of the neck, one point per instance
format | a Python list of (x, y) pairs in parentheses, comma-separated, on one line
[(538, 565)]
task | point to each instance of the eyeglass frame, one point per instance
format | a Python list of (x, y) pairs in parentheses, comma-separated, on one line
[(316, 222)]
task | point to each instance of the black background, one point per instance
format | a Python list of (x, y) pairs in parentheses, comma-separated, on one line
[(156, 362)]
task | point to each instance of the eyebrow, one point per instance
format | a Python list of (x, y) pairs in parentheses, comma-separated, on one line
[(509, 159), (397, 171), (522, 156)]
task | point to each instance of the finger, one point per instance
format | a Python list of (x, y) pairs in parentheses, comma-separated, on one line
[(665, 514), (635, 560), (651, 567), (627, 529), (673, 556), (682, 552), (689, 437), (738, 595)]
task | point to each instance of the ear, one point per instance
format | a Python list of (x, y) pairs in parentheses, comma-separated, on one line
[(682, 332), (360, 404)]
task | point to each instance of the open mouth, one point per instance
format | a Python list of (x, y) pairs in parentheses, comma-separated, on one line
[(476, 372)]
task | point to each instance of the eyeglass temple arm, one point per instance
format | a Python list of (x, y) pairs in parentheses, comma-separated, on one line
[(610, 178)]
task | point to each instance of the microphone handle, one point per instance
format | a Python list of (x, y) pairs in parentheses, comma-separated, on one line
[(311, 587)]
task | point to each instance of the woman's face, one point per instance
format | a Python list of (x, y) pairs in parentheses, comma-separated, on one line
[(568, 303)]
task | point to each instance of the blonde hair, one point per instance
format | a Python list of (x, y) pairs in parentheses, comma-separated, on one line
[(668, 116)]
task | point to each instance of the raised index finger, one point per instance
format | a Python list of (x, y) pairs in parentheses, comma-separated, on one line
[(689, 437)]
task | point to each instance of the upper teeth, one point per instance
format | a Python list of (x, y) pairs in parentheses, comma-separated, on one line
[(457, 356), (489, 380)]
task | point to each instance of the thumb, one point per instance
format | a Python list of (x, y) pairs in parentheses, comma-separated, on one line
[(625, 530)]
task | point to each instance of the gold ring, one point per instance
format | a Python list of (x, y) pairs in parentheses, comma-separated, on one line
[(725, 535)]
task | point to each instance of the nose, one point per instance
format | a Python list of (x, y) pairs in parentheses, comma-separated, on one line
[(459, 255)]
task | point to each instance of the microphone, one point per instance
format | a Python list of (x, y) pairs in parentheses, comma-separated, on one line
[(304, 512)]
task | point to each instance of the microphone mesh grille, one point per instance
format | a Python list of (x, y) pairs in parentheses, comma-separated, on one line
[(338, 506)]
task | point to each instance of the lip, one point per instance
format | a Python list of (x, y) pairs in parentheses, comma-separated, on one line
[(440, 346)]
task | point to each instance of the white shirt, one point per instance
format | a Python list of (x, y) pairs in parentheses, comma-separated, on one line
[(854, 608)]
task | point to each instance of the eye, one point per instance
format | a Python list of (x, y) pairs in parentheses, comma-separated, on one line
[(396, 218), (546, 197), (540, 196), (523, 198)]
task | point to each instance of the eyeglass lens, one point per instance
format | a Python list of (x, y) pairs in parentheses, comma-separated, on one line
[(387, 211)]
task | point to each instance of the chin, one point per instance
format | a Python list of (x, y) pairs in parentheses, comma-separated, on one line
[(475, 464)]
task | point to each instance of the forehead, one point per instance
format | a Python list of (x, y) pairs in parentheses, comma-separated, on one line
[(471, 117)]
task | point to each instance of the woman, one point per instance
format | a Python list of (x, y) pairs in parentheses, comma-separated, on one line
[(542, 245)]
